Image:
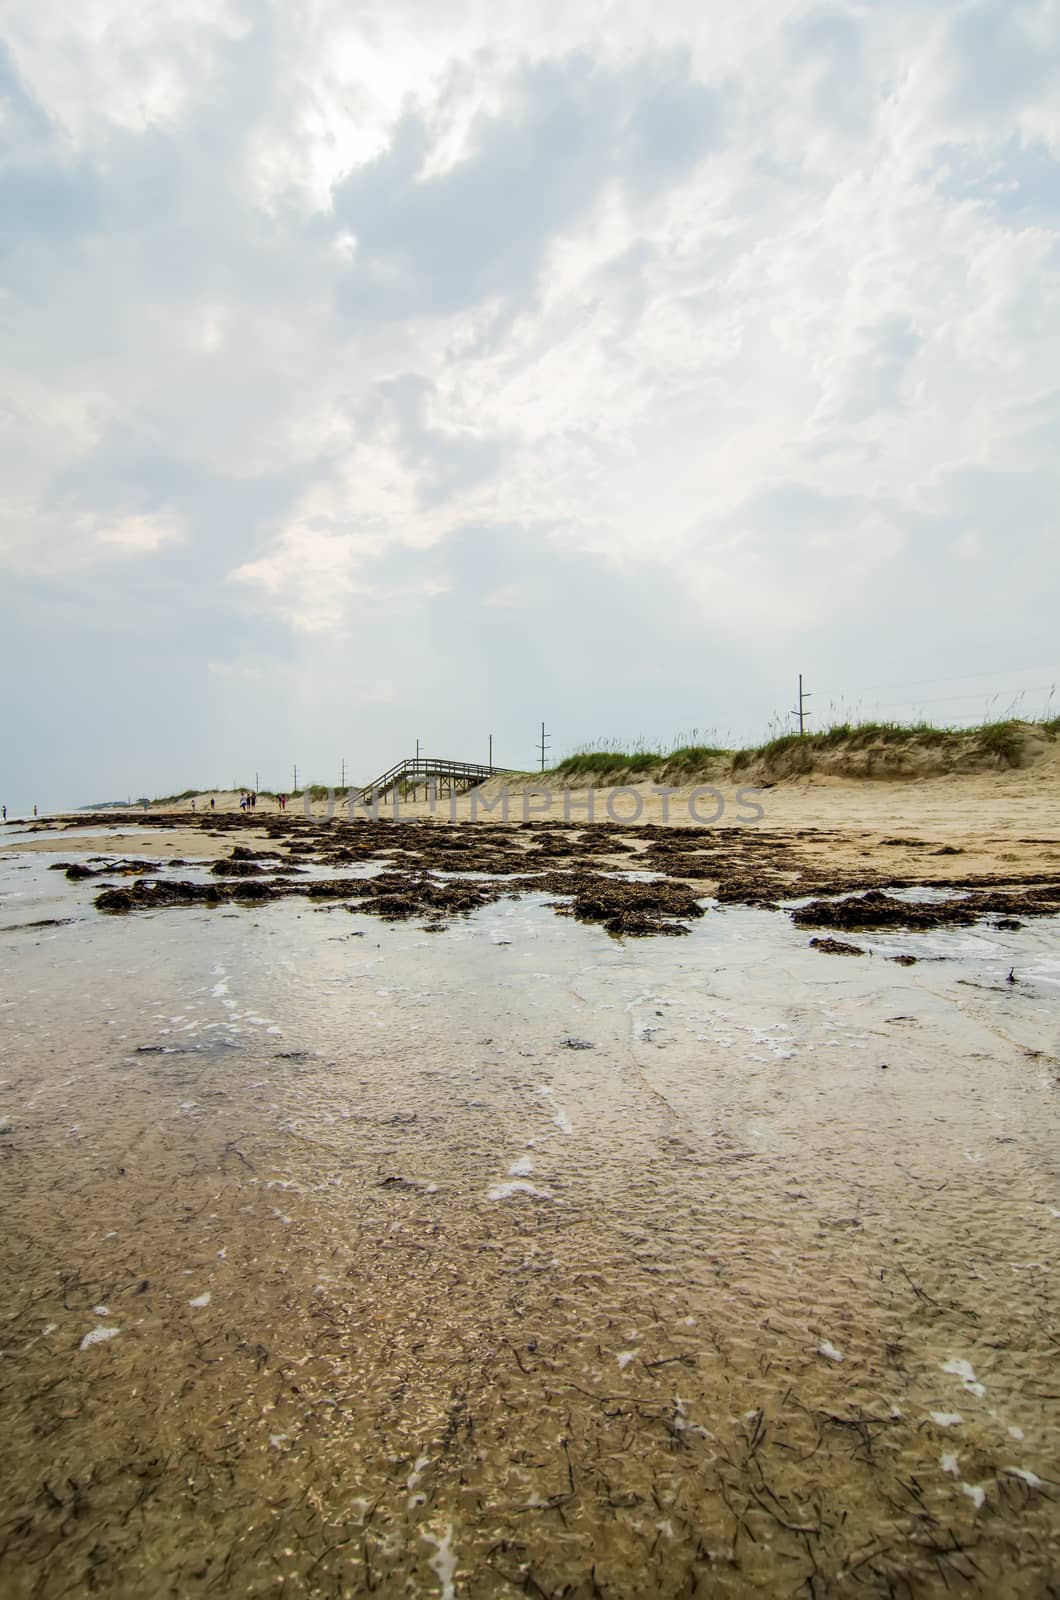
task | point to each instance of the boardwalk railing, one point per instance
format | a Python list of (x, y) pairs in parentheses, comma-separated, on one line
[(447, 777)]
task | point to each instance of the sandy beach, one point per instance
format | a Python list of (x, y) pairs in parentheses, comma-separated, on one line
[(391, 1226), (606, 1147), (997, 819)]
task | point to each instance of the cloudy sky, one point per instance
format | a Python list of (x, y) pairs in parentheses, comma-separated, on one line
[(410, 370)]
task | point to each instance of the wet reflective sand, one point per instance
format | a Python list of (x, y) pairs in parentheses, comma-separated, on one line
[(344, 1258)]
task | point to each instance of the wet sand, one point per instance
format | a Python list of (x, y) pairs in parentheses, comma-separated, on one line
[(523, 1259)]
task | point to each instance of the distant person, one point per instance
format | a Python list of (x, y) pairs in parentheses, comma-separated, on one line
[(34, 811), (253, 799), (5, 813), (213, 802), (193, 805)]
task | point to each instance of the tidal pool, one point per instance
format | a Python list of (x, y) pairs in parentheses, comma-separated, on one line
[(340, 1257)]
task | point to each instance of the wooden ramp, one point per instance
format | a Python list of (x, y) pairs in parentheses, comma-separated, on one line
[(446, 777)]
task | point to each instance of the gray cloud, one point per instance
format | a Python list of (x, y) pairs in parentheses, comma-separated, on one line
[(436, 244), (885, 352), (999, 55), (445, 463), (828, 45), (363, 383)]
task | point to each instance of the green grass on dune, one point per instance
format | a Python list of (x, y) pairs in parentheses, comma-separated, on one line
[(1003, 740), (175, 799), (590, 762), (695, 755)]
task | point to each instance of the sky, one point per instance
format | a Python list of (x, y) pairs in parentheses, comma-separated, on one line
[(405, 371)]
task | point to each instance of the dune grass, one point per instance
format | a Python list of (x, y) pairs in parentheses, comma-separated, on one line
[(696, 755), (1003, 740), (587, 763), (855, 736), (175, 799)]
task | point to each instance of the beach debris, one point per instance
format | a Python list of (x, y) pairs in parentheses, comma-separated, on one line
[(439, 874), (836, 947), (41, 922), (633, 909), (876, 909)]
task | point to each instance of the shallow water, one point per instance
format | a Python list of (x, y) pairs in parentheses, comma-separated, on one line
[(341, 1257)]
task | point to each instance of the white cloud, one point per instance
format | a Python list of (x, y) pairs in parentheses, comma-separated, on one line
[(140, 535), (769, 310)]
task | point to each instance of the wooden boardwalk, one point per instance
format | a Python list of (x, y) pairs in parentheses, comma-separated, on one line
[(446, 777)]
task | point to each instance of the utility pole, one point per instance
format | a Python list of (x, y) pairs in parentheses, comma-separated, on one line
[(417, 749), (491, 752), (294, 786), (802, 713), (342, 778), (257, 782), (545, 742)]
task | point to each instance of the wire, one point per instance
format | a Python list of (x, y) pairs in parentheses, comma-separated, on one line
[(945, 699), (914, 683)]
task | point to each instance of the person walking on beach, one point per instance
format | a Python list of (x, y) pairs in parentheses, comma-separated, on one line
[(5, 813), (213, 802)]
